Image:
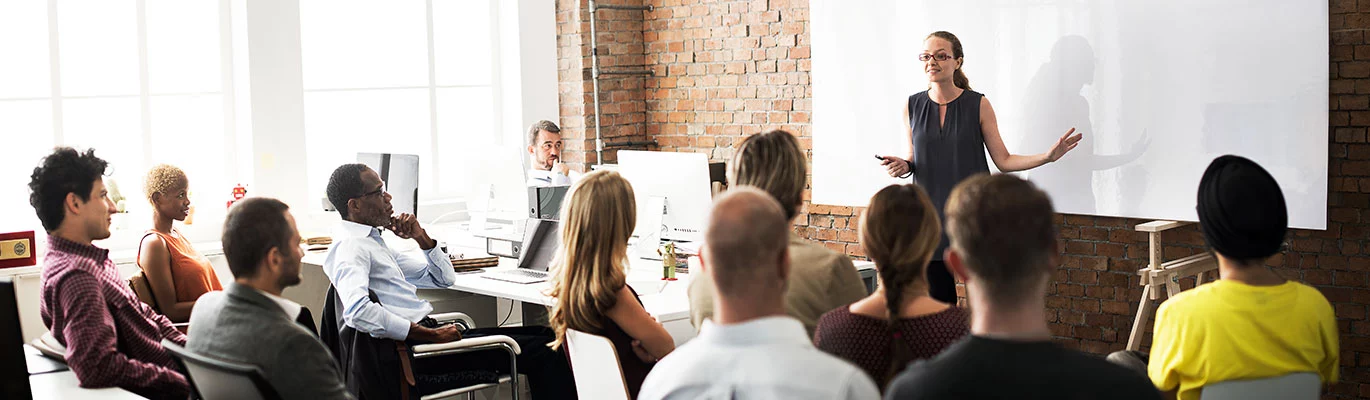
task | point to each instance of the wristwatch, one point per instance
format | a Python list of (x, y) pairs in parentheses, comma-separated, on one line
[(910, 173)]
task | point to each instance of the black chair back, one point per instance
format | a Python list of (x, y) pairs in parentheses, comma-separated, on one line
[(215, 379)]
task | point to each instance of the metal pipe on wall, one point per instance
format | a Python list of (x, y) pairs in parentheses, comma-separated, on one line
[(595, 72)]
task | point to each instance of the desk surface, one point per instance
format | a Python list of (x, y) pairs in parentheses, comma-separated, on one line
[(63, 385), (665, 300)]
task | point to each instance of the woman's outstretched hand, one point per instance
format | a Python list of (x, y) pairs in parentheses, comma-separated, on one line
[(895, 166), (1065, 144)]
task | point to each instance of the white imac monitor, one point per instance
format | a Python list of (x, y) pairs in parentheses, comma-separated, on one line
[(496, 180), (681, 180), (400, 172)]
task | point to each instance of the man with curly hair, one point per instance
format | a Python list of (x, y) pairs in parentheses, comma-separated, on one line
[(112, 338)]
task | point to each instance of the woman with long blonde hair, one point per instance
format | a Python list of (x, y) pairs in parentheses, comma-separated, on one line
[(590, 282), (900, 322)]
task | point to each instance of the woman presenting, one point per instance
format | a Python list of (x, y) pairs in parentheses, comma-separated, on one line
[(950, 127)]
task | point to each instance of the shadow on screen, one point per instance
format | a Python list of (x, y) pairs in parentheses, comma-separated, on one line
[(1054, 105)]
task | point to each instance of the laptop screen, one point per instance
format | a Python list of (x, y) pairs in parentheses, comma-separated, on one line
[(540, 241), (14, 373)]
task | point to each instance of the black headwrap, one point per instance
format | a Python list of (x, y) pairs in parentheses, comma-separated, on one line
[(1241, 209)]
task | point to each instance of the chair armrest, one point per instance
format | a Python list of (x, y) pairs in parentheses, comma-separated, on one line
[(469, 343), (453, 316)]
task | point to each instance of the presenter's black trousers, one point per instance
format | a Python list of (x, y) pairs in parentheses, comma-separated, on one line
[(941, 285)]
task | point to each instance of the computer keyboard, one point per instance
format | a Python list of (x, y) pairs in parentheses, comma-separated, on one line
[(520, 275)]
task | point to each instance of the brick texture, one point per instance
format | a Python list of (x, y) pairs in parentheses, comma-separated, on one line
[(723, 69), (622, 104)]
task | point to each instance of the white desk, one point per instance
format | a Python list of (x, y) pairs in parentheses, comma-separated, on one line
[(667, 301), (63, 385)]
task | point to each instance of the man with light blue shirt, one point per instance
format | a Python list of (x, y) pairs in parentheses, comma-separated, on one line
[(377, 288)]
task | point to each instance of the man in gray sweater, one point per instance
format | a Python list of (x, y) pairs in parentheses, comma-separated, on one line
[(249, 322)]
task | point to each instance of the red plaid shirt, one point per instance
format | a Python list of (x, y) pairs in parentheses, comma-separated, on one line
[(112, 338)]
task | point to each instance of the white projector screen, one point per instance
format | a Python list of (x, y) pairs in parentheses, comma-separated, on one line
[(1159, 89)]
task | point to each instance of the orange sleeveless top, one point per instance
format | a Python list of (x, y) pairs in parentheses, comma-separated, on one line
[(191, 273)]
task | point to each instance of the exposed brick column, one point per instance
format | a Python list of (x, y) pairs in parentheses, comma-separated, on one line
[(621, 97)]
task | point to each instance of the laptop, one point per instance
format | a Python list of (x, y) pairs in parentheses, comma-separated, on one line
[(540, 242)]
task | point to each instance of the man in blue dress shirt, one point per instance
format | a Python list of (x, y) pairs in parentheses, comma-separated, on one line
[(376, 286)]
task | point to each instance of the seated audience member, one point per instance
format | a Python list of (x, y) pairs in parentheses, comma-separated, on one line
[(112, 338), (820, 279), (590, 282), (1250, 323), (544, 153), (361, 267), (176, 273), (751, 349), (898, 323), (1003, 246), (249, 322)]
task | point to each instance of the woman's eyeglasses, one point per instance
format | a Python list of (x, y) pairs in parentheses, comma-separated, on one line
[(939, 57)]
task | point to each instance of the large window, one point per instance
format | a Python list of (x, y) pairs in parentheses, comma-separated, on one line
[(146, 82), (141, 82), (411, 77)]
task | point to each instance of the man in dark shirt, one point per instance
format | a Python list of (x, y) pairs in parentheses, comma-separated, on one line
[(112, 338), (1003, 245)]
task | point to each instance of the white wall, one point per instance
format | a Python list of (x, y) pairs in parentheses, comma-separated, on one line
[(1158, 88)]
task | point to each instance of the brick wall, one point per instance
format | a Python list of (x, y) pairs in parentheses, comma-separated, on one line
[(622, 105), (724, 69)]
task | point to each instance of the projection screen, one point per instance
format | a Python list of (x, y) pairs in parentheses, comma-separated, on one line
[(1159, 89)]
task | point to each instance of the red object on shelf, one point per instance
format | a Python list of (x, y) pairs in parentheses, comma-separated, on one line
[(16, 249), (239, 192)]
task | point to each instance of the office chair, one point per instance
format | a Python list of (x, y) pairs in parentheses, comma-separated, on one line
[(1295, 386), (594, 363), (333, 326), (215, 379)]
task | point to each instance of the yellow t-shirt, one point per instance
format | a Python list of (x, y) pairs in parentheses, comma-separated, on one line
[(1226, 330)]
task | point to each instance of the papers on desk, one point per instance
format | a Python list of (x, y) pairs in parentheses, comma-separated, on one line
[(690, 248), (39, 363)]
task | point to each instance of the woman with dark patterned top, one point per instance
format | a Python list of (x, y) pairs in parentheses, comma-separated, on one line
[(900, 322)]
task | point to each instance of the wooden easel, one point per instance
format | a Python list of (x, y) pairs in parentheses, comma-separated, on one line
[(1167, 273)]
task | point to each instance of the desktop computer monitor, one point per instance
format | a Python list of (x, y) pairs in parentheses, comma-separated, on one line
[(400, 172), (496, 187), (14, 372), (681, 179)]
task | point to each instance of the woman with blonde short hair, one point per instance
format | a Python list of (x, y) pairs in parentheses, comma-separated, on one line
[(176, 274)]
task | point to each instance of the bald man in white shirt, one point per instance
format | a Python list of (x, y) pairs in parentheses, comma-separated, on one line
[(751, 349)]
